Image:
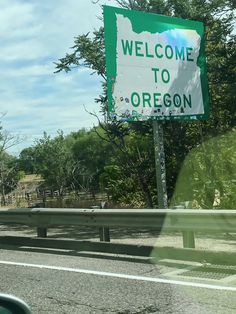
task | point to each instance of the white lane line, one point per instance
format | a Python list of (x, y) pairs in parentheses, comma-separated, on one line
[(124, 276)]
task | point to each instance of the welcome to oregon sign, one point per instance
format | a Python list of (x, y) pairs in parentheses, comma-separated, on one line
[(155, 66)]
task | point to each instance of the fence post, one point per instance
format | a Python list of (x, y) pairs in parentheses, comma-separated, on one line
[(41, 232), (188, 236), (188, 239), (104, 234)]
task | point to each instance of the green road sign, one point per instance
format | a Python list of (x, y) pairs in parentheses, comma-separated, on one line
[(155, 67)]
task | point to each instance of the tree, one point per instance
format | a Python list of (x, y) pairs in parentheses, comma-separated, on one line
[(53, 160), (218, 17), (26, 160), (9, 172), (209, 173), (91, 153), (133, 154), (9, 175)]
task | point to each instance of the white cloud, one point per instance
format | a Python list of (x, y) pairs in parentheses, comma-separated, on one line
[(34, 34), (15, 17), (30, 49), (40, 28), (30, 70)]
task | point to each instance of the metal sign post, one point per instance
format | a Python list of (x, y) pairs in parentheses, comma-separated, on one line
[(160, 164)]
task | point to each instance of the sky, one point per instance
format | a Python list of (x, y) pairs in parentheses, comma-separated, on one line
[(34, 99)]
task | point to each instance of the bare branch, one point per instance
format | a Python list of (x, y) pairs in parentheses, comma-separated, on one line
[(8, 140)]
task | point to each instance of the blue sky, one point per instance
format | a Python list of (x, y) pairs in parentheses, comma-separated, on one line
[(33, 99)]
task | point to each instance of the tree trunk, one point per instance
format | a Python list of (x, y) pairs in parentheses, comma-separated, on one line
[(146, 192), (3, 196)]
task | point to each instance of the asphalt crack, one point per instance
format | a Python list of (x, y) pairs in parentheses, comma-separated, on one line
[(144, 310)]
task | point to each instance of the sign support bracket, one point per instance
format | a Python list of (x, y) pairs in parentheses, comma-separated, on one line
[(160, 164)]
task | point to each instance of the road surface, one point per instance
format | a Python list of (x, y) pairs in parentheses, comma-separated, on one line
[(63, 281)]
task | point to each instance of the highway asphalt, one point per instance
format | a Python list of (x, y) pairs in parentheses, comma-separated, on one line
[(63, 281)]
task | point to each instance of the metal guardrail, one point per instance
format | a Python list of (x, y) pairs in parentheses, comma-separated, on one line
[(187, 221)]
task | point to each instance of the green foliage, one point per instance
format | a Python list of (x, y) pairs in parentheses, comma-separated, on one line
[(53, 160), (208, 170), (122, 189), (133, 154), (91, 153), (9, 172), (26, 160), (9, 175), (90, 150), (112, 182), (87, 52)]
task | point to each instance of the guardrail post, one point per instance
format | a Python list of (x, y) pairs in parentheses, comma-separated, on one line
[(41, 232), (104, 234), (188, 239)]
